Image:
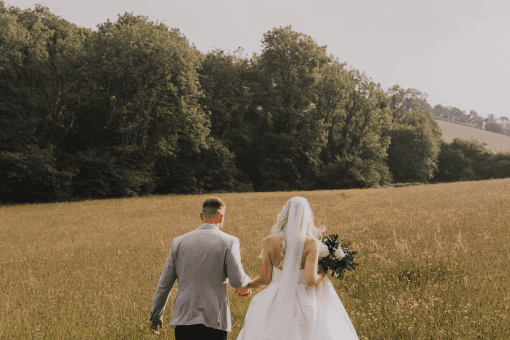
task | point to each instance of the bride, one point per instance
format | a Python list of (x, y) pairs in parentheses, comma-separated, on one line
[(300, 302)]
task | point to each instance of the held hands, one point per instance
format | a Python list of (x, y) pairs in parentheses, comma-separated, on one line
[(242, 293)]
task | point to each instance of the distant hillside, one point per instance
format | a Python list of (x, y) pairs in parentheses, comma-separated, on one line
[(496, 142)]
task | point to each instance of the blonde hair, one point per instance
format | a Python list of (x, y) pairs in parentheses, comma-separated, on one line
[(212, 206), (283, 216)]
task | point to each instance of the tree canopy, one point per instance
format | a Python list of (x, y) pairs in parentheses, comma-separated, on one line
[(133, 108)]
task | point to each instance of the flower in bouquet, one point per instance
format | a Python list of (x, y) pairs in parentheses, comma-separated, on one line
[(339, 253), (339, 258)]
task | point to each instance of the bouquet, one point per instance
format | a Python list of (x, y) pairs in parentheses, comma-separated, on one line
[(339, 258)]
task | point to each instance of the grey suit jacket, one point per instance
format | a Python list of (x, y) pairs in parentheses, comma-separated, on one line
[(203, 261)]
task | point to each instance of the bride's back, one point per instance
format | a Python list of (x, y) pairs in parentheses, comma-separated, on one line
[(275, 250)]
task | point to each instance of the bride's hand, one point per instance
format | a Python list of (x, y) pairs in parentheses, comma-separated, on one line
[(242, 293)]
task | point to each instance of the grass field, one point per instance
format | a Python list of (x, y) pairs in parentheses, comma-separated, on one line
[(434, 260), (495, 142)]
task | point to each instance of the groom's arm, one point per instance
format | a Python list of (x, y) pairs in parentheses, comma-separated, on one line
[(165, 284), (235, 272)]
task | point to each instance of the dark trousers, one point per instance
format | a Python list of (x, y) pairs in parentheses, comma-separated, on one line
[(199, 332)]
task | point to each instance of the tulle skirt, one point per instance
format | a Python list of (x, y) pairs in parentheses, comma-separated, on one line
[(318, 314)]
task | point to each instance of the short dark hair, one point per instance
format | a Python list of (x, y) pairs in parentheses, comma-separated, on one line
[(212, 206)]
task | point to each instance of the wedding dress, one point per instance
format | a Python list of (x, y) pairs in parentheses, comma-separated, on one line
[(287, 309)]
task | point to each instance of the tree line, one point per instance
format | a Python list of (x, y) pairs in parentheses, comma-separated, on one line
[(499, 125), (133, 109)]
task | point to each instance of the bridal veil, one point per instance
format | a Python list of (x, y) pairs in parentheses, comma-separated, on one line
[(299, 217)]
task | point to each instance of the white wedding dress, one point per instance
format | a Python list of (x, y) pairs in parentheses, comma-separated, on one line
[(288, 309), (319, 302)]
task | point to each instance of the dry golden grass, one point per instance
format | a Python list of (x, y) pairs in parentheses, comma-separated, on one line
[(434, 260)]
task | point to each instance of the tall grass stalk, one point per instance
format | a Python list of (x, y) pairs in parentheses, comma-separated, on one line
[(433, 260)]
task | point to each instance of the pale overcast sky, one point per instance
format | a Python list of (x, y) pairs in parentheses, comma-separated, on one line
[(456, 51)]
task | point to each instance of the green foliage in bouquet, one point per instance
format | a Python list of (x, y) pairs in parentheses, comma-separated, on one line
[(330, 263)]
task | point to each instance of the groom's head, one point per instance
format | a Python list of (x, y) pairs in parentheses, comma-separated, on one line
[(213, 211)]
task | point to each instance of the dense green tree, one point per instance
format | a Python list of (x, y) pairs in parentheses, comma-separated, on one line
[(111, 172), (286, 74), (291, 63), (281, 163), (415, 137), (227, 92), (96, 111), (453, 165), (143, 89), (360, 143), (229, 84), (143, 92), (132, 109), (405, 101), (498, 166), (413, 152), (211, 168), (31, 174), (41, 58), (235, 99), (463, 160), (330, 95), (40, 81)]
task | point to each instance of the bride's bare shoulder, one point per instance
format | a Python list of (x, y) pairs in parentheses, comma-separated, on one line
[(272, 241), (311, 243)]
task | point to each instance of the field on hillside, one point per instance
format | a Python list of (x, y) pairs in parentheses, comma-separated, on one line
[(434, 260), (496, 142)]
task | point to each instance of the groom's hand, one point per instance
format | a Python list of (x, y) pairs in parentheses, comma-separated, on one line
[(155, 326), (243, 292)]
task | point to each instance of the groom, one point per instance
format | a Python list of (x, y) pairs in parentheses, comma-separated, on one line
[(203, 261)]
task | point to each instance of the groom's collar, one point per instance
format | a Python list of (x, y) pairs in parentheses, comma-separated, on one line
[(208, 226)]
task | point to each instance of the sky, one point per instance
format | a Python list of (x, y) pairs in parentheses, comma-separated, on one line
[(456, 51)]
